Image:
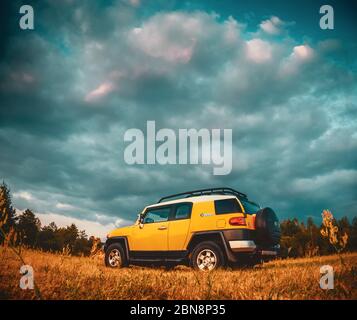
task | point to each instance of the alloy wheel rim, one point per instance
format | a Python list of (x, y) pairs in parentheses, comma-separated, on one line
[(206, 260), (114, 258)]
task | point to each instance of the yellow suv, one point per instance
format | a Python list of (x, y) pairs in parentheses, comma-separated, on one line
[(206, 229)]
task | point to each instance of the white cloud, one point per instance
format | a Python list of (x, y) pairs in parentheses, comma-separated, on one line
[(231, 33), (330, 141), (155, 40), (23, 195), (301, 54), (101, 91), (334, 178), (259, 50), (173, 36), (272, 25), (275, 26), (120, 223), (64, 206)]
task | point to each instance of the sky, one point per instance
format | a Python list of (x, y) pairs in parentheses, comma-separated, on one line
[(90, 70)]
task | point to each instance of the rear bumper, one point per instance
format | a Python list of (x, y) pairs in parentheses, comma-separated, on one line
[(249, 246), (241, 241), (242, 245)]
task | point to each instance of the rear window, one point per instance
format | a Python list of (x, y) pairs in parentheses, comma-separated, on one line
[(227, 206), (183, 211), (250, 207)]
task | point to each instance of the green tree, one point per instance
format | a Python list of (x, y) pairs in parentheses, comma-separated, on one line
[(82, 245), (7, 212), (28, 227), (290, 229), (48, 238), (68, 236), (313, 232)]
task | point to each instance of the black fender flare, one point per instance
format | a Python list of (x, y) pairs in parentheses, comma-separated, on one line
[(206, 235), (121, 240)]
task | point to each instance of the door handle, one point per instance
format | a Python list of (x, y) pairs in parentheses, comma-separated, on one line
[(162, 228)]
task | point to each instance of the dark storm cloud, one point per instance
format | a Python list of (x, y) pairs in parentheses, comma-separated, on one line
[(71, 88)]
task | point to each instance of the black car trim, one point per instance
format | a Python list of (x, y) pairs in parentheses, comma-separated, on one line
[(112, 240), (231, 257), (160, 255), (239, 234), (209, 191)]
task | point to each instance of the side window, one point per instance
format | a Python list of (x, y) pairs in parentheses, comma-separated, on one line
[(183, 211), (157, 215), (227, 206), (250, 207)]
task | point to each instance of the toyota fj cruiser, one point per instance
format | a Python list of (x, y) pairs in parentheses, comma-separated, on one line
[(206, 228)]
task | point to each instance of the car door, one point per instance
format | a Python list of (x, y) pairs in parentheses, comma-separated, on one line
[(153, 233), (179, 226)]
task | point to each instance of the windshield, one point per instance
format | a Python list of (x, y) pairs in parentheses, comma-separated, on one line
[(249, 207)]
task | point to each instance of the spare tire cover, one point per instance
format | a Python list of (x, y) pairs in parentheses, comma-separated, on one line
[(267, 227)]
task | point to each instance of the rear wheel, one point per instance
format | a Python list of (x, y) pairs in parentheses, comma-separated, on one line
[(207, 256), (115, 256)]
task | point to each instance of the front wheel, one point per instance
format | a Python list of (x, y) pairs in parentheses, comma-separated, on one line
[(115, 257), (207, 256)]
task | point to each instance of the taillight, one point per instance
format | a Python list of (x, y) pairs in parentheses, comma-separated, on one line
[(237, 221)]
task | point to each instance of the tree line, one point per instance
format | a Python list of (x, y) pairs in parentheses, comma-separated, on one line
[(25, 229), (299, 239)]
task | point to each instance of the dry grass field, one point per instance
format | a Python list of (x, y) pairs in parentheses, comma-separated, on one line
[(65, 277)]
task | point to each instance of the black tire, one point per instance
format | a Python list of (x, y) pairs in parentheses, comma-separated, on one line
[(202, 250), (267, 228), (111, 261)]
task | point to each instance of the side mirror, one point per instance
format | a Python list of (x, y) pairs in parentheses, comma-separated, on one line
[(141, 221)]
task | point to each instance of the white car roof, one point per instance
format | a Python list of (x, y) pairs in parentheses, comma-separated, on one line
[(194, 199)]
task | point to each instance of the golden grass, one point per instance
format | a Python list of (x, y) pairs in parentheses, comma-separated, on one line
[(65, 277)]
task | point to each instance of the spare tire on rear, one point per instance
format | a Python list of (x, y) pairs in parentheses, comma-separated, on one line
[(267, 228)]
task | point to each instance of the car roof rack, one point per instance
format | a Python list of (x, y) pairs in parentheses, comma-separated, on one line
[(204, 192)]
